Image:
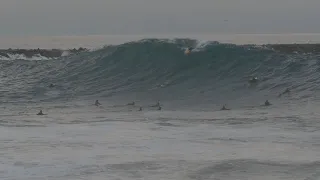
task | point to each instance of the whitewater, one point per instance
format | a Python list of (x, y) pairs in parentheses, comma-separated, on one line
[(190, 138)]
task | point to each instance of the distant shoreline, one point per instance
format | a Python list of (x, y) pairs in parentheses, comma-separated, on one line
[(49, 53)]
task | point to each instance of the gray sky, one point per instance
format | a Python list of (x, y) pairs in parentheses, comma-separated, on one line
[(82, 17)]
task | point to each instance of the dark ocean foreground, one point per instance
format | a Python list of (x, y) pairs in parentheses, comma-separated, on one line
[(190, 138)]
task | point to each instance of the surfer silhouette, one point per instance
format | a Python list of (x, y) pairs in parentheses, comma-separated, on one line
[(40, 113), (267, 103), (224, 108), (97, 103)]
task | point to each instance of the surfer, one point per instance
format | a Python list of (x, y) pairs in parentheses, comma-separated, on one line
[(97, 103), (188, 50), (285, 92), (224, 108), (40, 113), (267, 103), (140, 109), (131, 104), (159, 108)]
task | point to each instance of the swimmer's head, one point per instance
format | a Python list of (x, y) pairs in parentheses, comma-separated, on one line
[(40, 113), (267, 103)]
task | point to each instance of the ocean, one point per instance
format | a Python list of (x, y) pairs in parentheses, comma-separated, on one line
[(190, 138)]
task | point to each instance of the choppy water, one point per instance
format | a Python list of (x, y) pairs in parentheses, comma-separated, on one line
[(189, 139)]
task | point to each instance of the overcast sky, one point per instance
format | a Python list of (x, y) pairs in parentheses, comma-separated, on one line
[(83, 17)]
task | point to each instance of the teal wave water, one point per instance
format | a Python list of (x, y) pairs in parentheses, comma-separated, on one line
[(188, 139), (154, 69)]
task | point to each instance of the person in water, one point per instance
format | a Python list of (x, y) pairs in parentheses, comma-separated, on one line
[(40, 113), (159, 108), (140, 109), (287, 91), (188, 50), (97, 103), (131, 104), (224, 108), (267, 103), (51, 85)]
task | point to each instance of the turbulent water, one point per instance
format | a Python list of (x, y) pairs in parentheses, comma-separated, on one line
[(190, 138)]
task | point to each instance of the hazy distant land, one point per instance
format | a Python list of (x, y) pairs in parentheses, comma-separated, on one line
[(49, 53)]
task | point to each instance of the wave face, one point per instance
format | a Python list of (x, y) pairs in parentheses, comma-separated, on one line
[(154, 69)]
